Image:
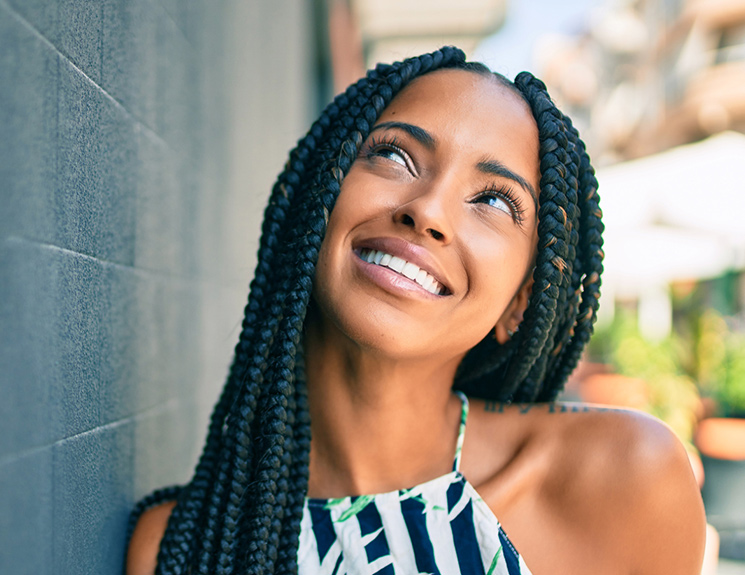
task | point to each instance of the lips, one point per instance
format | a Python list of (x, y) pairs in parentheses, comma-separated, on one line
[(405, 268)]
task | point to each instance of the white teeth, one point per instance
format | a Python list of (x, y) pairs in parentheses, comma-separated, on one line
[(397, 264), (408, 269), (427, 283)]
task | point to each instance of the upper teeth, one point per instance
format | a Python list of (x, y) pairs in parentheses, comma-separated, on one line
[(411, 271)]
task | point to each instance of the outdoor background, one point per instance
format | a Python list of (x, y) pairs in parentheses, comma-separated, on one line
[(138, 143)]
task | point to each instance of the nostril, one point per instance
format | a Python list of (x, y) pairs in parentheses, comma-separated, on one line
[(409, 221)]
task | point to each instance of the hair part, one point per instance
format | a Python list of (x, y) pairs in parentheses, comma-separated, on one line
[(243, 507)]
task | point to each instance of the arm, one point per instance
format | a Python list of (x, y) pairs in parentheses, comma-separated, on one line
[(600, 491), (665, 530), (142, 554), (634, 499)]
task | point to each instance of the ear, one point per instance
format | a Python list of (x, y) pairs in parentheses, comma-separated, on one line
[(513, 315)]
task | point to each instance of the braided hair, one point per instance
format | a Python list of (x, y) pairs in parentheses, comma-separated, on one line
[(241, 512)]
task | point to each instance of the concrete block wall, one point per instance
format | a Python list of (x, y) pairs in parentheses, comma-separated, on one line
[(138, 141)]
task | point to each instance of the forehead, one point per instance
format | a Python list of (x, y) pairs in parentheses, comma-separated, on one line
[(472, 112)]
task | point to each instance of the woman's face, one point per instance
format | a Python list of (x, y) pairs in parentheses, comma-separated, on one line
[(433, 235)]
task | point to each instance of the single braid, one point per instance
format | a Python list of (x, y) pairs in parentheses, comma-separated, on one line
[(241, 512), (558, 331), (590, 264)]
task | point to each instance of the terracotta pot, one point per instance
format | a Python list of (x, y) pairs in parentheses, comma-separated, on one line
[(721, 438), (614, 389), (583, 370), (721, 442)]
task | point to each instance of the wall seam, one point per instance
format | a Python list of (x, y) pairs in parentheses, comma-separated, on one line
[(192, 281), (165, 407), (63, 56)]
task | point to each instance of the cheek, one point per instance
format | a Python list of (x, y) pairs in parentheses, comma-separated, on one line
[(503, 268), (334, 249), (349, 209)]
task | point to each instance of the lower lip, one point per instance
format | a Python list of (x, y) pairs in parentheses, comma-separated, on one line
[(392, 281)]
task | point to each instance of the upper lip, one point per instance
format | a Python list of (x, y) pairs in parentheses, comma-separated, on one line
[(405, 250)]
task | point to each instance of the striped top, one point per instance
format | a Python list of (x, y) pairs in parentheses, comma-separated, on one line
[(439, 527)]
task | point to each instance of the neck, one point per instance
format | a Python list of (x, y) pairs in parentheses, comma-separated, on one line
[(377, 424)]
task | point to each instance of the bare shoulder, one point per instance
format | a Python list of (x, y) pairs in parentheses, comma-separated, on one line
[(143, 546), (587, 484), (628, 472)]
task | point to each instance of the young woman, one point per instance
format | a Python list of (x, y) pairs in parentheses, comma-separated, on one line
[(437, 230)]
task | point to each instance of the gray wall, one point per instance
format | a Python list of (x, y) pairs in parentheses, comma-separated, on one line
[(138, 141)]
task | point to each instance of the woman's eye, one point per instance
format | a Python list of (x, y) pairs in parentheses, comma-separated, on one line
[(495, 201), (387, 148), (504, 200), (392, 154)]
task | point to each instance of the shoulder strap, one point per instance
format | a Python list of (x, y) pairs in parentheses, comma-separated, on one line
[(461, 431)]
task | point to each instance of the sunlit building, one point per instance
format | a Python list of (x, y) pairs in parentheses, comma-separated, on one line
[(651, 74)]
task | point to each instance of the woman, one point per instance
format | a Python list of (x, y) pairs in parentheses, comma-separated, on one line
[(437, 229)]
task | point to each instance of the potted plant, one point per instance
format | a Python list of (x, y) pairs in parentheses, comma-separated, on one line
[(720, 438), (645, 375)]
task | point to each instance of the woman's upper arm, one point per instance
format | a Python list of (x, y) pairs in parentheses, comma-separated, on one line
[(675, 534), (142, 554), (664, 531), (634, 506)]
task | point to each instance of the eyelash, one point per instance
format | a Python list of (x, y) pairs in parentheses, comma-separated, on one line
[(505, 193), (375, 145)]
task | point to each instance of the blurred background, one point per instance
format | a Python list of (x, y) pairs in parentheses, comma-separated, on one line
[(140, 141)]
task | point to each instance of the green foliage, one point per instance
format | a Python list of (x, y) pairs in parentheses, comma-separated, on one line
[(703, 355), (671, 393), (720, 363)]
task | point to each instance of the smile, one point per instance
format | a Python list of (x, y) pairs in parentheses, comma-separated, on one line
[(406, 269)]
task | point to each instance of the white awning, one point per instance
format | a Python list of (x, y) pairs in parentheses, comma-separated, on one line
[(675, 215)]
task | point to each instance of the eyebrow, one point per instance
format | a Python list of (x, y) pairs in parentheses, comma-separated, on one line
[(486, 166), (419, 134), (496, 168)]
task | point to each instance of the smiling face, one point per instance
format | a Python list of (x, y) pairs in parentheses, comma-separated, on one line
[(433, 235)]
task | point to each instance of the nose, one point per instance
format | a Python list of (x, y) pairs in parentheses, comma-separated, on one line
[(427, 214)]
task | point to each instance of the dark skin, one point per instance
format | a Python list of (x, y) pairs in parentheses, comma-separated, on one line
[(579, 489)]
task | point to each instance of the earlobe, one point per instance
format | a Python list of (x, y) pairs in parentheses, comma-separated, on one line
[(512, 317)]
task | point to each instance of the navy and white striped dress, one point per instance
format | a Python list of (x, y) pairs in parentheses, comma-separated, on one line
[(441, 526)]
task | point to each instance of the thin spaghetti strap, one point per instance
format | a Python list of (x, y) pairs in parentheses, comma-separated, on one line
[(461, 431)]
